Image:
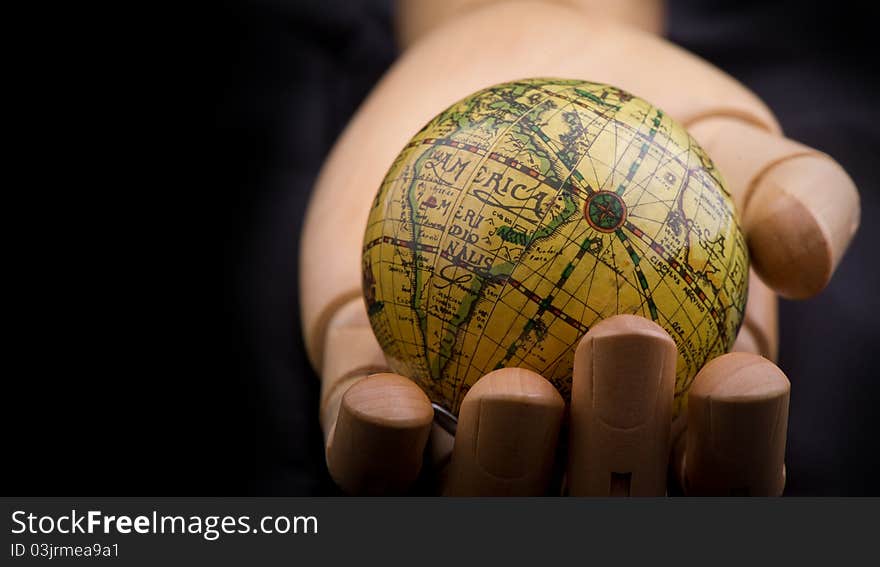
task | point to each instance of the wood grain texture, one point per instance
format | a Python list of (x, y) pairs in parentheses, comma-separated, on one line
[(377, 443), (737, 425), (621, 409), (505, 444)]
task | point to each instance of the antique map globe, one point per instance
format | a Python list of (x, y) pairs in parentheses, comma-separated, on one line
[(526, 213)]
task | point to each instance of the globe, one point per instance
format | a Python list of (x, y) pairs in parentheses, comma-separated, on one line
[(529, 211)]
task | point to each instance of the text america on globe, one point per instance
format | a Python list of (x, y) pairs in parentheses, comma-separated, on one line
[(526, 213)]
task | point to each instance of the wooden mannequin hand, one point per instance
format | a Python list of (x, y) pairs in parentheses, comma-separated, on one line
[(380, 434), (798, 207)]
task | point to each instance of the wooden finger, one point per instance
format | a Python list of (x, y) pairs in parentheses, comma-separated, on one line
[(375, 426), (737, 424), (621, 409), (799, 207), (351, 353), (505, 443), (759, 333), (377, 442)]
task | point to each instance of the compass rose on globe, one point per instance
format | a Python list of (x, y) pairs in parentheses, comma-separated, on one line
[(605, 211)]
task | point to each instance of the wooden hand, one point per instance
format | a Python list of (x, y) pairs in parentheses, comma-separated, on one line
[(799, 210)]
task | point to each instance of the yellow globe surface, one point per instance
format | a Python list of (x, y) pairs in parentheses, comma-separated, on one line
[(528, 212)]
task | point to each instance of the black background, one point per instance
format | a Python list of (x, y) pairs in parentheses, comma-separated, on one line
[(156, 346)]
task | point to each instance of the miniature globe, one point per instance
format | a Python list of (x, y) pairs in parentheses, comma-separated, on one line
[(527, 212)]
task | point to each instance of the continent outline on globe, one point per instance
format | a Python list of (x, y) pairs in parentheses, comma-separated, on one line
[(525, 213)]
